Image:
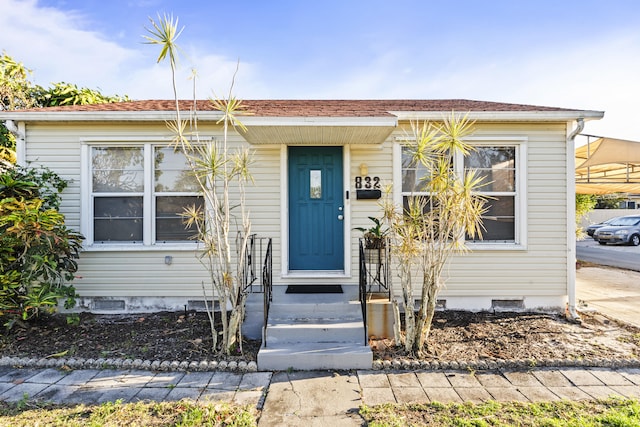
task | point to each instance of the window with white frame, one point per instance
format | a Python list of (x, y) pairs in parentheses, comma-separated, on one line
[(138, 194), (498, 164)]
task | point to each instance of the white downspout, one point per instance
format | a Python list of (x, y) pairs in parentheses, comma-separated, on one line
[(571, 312), (19, 131)]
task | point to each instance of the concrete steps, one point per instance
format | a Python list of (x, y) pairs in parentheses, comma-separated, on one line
[(315, 331)]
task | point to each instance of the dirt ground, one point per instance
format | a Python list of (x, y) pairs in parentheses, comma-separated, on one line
[(464, 336), (455, 336)]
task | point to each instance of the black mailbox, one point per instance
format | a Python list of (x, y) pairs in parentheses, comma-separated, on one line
[(368, 194)]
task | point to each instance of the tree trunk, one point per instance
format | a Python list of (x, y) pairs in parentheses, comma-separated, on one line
[(425, 315)]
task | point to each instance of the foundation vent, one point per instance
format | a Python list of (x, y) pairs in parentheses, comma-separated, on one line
[(199, 305), (507, 304), (109, 304)]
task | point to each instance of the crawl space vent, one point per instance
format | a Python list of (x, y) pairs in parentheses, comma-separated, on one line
[(507, 304), (108, 304), (199, 305)]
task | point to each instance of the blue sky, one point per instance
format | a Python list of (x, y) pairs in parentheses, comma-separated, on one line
[(582, 54)]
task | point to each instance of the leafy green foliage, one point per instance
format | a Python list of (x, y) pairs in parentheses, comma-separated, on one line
[(609, 201), (584, 204), (15, 87), (18, 92), (70, 94), (37, 251), (374, 235)]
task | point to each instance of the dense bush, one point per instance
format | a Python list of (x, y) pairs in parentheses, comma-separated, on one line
[(37, 251)]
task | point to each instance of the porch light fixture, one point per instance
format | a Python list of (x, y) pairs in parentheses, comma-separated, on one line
[(364, 169)]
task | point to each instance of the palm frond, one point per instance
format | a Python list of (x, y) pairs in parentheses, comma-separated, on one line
[(164, 33), (454, 132), (230, 108)]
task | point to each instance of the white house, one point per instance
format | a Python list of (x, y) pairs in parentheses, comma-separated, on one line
[(125, 193)]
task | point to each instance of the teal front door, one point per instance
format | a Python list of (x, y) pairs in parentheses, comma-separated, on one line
[(316, 209)]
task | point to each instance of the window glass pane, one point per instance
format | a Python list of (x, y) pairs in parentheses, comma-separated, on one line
[(172, 172), (414, 175), (499, 229), (497, 180), (499, 220), (117, 219), (496, 165), (490, 158), (315, 184), (170, 224), (117, 169), (416, 202)]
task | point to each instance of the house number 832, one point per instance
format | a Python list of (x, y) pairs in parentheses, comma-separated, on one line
[(367, 182)]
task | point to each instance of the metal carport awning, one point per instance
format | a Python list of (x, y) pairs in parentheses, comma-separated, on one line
[(608, 165)]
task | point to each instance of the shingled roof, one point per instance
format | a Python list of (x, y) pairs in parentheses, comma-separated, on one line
[(313, 108)]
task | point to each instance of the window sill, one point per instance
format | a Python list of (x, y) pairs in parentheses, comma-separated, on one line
[(496, 246), (128, 247)]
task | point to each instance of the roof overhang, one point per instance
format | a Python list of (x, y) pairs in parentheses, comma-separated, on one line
[(318, 130), (503, 116), (321, 130), (103, 116)]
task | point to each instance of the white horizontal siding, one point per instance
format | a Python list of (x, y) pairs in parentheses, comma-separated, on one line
[(540, 269), (115, 273)]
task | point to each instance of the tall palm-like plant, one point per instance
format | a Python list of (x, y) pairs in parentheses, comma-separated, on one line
[(222, 231), (432, 224)]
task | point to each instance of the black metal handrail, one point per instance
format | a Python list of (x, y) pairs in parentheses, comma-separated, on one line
[(267, 282), (249, 270), (257, 248), (363, 290)]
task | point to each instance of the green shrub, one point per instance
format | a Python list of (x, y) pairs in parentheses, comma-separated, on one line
[(37, 251)]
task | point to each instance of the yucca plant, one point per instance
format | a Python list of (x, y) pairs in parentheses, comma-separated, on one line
[(432, 224), (223, 225)]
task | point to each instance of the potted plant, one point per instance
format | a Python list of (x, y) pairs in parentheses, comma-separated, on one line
[(374, 241)]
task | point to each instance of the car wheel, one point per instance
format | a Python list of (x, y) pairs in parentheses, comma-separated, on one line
[(634, 240), (602, 243)]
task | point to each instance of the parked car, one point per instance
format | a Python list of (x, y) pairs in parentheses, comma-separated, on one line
[(625, 229), (593, 227)]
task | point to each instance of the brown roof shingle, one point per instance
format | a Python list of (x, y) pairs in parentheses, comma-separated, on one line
[(315, 108)]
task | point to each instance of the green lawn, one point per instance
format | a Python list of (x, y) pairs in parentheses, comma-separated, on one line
[(182, 413), (611, 412), (601, 413)]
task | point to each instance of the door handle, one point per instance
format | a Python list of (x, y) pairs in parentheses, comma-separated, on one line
[(340, 217)]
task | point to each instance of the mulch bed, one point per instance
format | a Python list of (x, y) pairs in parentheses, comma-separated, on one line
[(455, 336)]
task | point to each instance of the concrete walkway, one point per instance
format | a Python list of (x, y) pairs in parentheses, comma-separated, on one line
[(610, 291), (316, 398)]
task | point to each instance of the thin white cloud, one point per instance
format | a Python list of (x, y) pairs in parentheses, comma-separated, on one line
[(54, 45), (213, 75), (600, 73)]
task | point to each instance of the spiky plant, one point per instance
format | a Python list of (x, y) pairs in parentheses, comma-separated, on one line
[(223, 228), (431, 227)]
